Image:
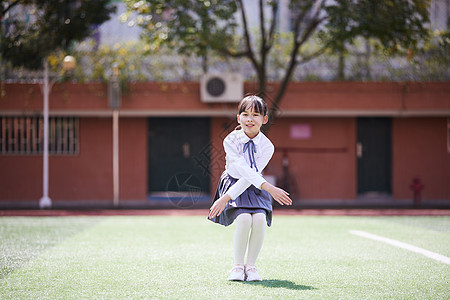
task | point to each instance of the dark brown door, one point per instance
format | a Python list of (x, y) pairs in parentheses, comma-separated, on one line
[(178, 162), (374, 152)]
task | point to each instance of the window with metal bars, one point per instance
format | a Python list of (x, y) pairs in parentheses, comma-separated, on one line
[(24, 135)]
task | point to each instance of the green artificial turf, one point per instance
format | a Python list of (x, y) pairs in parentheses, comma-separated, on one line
[(156, 257)]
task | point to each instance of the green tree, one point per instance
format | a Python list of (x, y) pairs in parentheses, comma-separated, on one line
[(32, 29), (202, 25), (192, 27), (396, 25)]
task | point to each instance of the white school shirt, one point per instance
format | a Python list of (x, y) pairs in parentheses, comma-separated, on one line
[(238, 163)]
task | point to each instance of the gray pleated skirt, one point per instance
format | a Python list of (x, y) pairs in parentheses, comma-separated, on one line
[(252, 200)]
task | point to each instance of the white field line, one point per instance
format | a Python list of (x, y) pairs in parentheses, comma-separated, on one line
[(433, 255)]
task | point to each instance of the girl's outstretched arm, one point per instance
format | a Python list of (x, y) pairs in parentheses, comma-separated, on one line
[(218, 206), (279, 195)]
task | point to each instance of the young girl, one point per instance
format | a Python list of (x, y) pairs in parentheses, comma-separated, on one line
[(243, 194)]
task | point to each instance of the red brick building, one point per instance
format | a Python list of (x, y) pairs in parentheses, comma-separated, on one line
[(335, 143)]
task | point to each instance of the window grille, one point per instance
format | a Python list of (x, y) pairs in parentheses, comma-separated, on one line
[(24, 135)]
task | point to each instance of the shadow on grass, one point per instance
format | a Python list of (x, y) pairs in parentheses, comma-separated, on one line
[(276, 283)]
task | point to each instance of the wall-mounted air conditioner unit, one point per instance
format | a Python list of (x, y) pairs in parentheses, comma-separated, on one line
[(227, 87)]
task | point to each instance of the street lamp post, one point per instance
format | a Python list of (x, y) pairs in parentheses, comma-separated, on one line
[(69, 64)]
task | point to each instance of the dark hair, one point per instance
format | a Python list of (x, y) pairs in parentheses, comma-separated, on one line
[(253, 102)]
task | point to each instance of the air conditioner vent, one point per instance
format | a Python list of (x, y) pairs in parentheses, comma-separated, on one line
[(227, 87)]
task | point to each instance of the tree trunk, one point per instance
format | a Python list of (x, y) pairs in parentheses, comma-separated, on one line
[(341, 67), (367, 60), (205, 63)]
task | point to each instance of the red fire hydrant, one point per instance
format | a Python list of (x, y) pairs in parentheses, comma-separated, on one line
[(417, 186)]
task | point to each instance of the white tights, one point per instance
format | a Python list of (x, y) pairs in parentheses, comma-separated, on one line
[(245, 221)]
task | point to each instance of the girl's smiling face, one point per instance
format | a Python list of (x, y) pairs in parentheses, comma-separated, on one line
[(251, 121)]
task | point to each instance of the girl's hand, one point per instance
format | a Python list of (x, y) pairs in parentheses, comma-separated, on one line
[(218, 206), (279, 195)]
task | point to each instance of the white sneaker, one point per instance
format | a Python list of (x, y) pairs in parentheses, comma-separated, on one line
[(237, 274), (252, 274)]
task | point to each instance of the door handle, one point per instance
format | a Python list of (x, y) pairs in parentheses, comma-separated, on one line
[(186, 150), (359, 150)]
